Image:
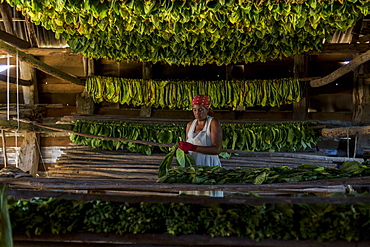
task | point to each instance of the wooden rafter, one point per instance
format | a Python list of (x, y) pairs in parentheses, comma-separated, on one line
[(342, 70), (39, 65), (15, 41), (13, 80)]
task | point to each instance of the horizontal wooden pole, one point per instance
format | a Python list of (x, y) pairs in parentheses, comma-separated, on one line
[(326, 185), (13, 126), (345, 131), (47, 51), (147, 239), (166, 198), (341, 49)]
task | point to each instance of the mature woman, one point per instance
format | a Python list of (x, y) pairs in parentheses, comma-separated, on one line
[(204, 137)]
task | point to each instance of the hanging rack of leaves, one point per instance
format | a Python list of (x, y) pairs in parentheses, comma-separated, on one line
[(247, 137), (178, 93), (194, 32)]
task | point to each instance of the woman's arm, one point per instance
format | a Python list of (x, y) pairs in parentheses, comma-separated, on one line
[(187, 130)]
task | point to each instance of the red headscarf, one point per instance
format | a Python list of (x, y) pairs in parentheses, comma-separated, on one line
[(202, 100)]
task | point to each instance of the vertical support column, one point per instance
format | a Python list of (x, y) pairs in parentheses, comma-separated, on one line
[(229, 76), (85, 104), (360, 95), (300, 110), (146, 111), (29, 153), (229, 72), (357, 94), (4, 148), (6, 14)]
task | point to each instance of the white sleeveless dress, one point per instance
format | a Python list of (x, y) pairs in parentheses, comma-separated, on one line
[(203, 138)]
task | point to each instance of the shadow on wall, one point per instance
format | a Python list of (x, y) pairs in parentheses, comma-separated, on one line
[(331, 103)]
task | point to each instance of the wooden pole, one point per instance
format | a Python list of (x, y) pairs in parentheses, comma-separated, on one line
[(6, 14), (146, 111), (4, 148), (344, 131), (300, 111), (357, 61), (40, 65), (31, 32)]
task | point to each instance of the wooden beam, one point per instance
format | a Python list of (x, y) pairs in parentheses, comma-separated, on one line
[(29, 153), (341, 49), (13, 40), (4, 147), (6, 14), (96, 136), (166, 198), (46, 51), (300, 109), (40, 65), (364, 38), (345, 131), (152, 185), (31, 32), (146, 111), (13, 126), (356, 31), (357, 61), (84, 103), (358, 95), (13, 80), (185, 240)]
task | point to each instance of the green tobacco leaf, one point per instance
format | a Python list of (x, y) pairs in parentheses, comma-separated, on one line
[(350, 166), (165, 165), (180, 157), (260, 178), (189, 160)]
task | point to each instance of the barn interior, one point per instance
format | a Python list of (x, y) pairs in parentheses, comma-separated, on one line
[(47, 63)]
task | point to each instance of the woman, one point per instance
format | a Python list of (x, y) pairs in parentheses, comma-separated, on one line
[(204, 137)]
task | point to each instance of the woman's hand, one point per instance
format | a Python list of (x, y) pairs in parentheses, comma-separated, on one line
[(186, 146)]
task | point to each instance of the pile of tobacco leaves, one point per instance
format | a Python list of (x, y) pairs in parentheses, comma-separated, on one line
[(304, 172), (346, 221)]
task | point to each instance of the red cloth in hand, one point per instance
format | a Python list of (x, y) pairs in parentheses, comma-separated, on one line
[(186, 146)]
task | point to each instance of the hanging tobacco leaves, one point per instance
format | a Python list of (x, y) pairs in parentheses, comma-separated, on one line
[(194, 32), (248, 137), (178, 94)]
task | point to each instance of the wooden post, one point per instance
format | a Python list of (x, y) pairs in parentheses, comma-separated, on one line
[(365, 116), (6, 14), (85, 104), (229, 72), (4, 148), (30, 93), (31, 32), (357, 94), (29, 151), (300, 110), (146, 111)]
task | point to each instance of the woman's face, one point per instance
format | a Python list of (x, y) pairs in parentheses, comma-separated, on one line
[(200, 112)]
